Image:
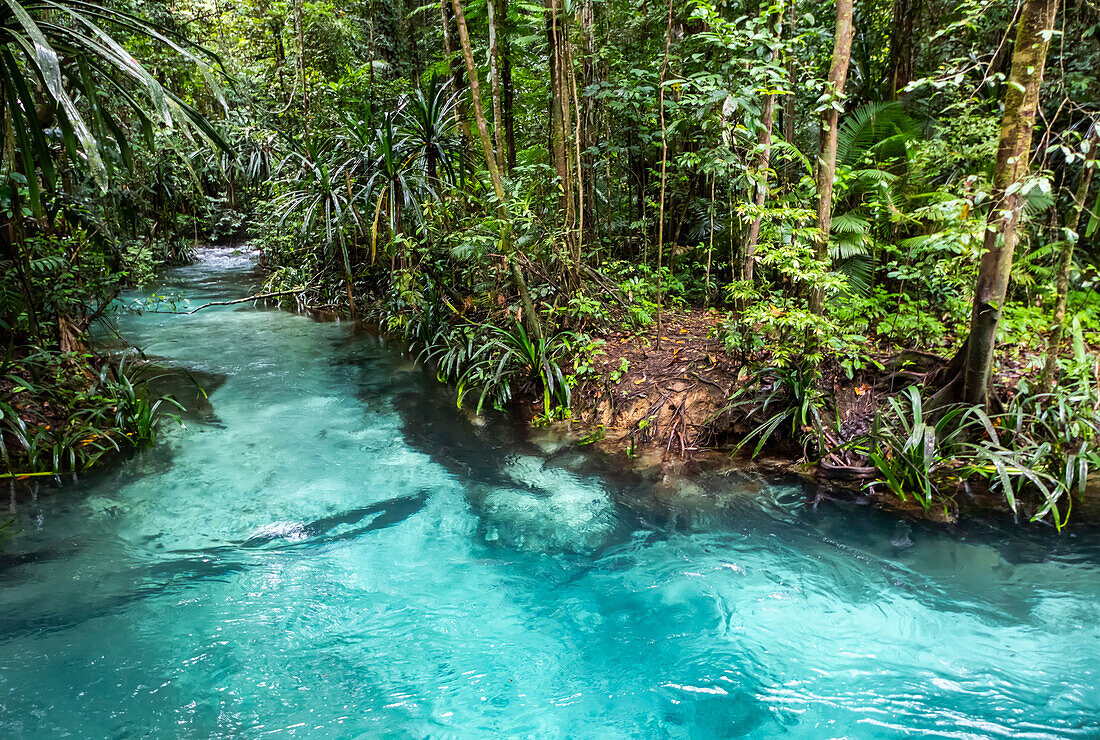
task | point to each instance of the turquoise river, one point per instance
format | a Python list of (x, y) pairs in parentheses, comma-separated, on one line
[(329, 548)]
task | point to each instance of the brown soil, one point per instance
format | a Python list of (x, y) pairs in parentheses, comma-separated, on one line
[(671, 410), (674, 394)]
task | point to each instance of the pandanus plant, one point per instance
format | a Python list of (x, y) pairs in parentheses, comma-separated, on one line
[(375, 176), (394, 188), (397, 162), (62, 53), (428, 120), (64, 77), (319, 194)]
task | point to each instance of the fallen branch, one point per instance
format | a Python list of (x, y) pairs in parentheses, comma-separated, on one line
[(256, 297), (602, 281)]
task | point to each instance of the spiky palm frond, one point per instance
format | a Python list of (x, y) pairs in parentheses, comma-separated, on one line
[(316, 193), (64, 51), (393, 187), (428, 124)]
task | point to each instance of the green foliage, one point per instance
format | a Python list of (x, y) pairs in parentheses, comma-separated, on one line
[(638, 284), (918, 453), (345, 151), (775, 328), (1048, 443), (1043, 445), (39, 40), (61, 280), (54, 421), (779, 402)]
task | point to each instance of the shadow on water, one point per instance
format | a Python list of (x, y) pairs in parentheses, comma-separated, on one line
[(488, 453), (184, 569), (191, 388), (386, 514)]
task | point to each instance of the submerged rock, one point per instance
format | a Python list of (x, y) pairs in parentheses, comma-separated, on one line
[(902, 540), (548, 510)]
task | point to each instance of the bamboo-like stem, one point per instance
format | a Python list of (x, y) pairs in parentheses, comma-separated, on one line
[(664, 174), (1065, 264)]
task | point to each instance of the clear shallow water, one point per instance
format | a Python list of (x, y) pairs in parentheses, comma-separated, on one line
[(332, 550)]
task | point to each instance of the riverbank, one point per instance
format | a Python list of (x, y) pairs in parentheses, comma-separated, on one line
[(335, 549), (666, 407), (63, 413), (660, 406)]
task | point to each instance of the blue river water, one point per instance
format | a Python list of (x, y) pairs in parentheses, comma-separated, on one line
[(331, 549)]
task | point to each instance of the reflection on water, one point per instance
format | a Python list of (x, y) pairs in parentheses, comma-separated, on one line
[(335, 551)]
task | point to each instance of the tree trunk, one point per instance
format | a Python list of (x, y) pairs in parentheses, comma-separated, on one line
[(1065, 264), (506, 82), (790, 107), (580, 187), (664, 173), (299, 23), (826, 159), (587, 104), (457, 79), (1021, 102), (530, 317), (370, 69), (494, 72), (763, 157), (899, 70), (710, 243), (560, 129)]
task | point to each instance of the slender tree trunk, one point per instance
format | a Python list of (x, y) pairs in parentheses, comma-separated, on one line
[(530, 317), (899, 70), (1065, 264), (607, 183), (578, 240), (790, 107), (299, 23), (370, 69), (588, 121), (733, 248), (505, 31), (826, 159), (664, 174), (11, 230), (560, 130), (1014, 150), (710, 243), (494, 72), (763, 157), (457, 78)]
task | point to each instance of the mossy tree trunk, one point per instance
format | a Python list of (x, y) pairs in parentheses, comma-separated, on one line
[(530, 317), (1021, 102), (826, 158)]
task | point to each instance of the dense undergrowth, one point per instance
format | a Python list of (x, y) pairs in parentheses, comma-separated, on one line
[(505, 185), (61, 413)]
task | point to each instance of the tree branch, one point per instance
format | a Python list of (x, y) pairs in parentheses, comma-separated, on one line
[(246, 299)]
